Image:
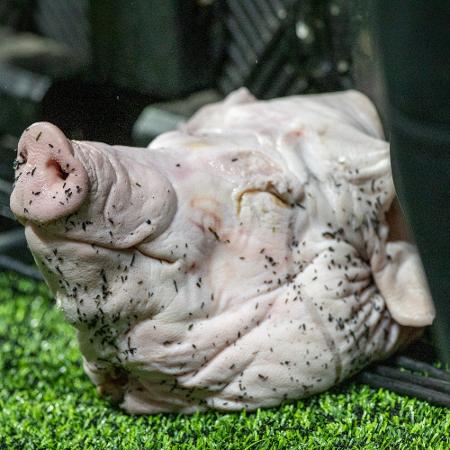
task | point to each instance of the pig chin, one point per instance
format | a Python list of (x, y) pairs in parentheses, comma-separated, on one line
[(99, 287)]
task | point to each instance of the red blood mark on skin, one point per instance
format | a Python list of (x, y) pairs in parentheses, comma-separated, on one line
[(295, 134), (191, 268)]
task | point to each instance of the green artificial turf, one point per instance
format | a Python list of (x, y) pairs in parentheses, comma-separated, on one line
[(47, 402)]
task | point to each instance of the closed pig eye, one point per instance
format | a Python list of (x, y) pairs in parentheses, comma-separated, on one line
[(275, 198), (263, 211)]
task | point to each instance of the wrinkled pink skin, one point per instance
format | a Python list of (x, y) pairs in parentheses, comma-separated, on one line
[(238, 262)]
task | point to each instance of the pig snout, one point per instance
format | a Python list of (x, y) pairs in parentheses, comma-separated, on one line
[(50, 182)]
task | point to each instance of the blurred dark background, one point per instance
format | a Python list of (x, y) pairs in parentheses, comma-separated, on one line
[(124, 71)]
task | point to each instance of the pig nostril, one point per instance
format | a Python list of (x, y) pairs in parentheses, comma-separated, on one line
[(56, 167)]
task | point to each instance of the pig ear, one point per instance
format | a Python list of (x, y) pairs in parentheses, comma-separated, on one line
[(403, 285), (212, 116), (356, 109)]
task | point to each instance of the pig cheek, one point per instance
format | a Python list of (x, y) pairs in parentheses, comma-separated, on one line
[(222, 275)]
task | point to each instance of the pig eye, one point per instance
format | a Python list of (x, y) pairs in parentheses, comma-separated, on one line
[(254, 193), (57, 169)]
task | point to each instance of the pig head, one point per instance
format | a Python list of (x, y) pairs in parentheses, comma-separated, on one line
[(242, 260)]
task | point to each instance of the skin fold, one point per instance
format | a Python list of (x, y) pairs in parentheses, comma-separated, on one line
[(237, 262)]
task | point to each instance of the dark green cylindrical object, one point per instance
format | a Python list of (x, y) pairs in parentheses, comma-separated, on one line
[(414, 47)]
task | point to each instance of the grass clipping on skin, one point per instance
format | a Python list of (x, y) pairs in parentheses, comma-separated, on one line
[(47, 402)]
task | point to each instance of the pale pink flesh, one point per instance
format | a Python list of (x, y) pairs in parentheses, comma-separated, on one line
[(270, 274), (50, 182)]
